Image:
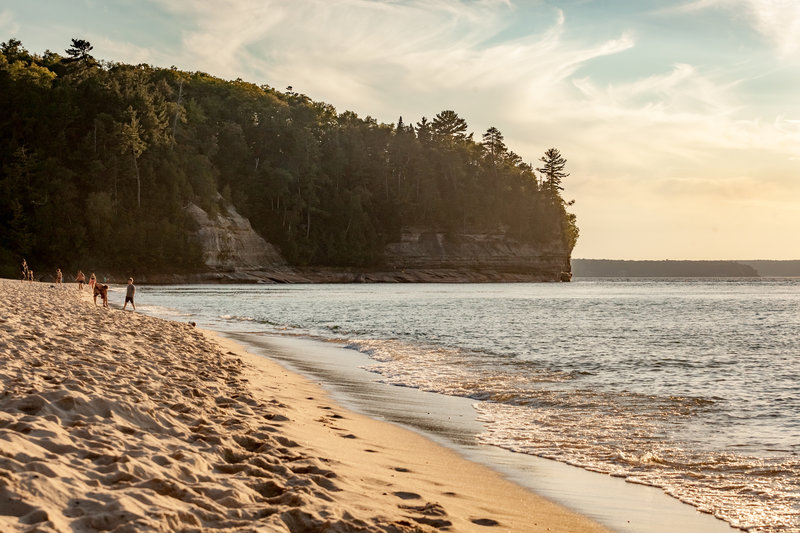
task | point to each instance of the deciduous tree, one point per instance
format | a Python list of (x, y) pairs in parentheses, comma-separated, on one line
[(133, 144)]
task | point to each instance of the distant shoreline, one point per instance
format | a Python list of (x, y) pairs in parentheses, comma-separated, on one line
[(613, 268), (581, 268)]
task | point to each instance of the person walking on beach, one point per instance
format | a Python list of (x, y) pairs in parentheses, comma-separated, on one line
[(59, 276), (30, 275), (129, 295), (81, 279), (23, 270), (92, 281)]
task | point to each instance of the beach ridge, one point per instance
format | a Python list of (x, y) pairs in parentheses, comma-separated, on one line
[(113, 420)]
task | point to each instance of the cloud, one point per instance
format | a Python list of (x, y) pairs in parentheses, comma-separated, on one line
[(424, 47), (777, 20), (7, 23)]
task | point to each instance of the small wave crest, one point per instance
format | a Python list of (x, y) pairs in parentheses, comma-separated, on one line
[(163, 311), (238, 318)]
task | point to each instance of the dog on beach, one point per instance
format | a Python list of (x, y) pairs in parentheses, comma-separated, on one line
[(102, 291)]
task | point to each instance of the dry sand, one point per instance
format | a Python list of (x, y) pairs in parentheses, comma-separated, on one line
[(111, 420)]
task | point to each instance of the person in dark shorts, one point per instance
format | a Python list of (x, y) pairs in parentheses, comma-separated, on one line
[(81, 279), (23, 269), (129, 295)]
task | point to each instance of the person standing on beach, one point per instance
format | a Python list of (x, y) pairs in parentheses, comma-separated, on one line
[(81, 279), (23, 270), (129, 295), (30, 275), (59, 276), (92, 281)]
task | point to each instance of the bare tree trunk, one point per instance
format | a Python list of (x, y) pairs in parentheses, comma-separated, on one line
[(177, 112), (138, 181)]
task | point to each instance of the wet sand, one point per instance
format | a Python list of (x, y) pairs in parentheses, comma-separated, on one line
[(112, 420), (451, 421)]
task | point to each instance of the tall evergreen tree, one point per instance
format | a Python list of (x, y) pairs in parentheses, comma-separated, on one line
[(492, 142), (553, 170), (79, 51), (424, 130), (448, 125)]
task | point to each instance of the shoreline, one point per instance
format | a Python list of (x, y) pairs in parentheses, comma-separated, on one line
[(118, 420), (310, 275), (452, 422)]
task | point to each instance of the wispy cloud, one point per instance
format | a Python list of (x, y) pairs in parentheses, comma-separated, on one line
[(428, 47), (8, 25), (777, 20)]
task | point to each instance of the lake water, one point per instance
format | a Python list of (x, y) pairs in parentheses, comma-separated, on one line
[(687, 385)]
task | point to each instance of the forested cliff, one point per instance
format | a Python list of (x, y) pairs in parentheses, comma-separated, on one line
[(100, 164)]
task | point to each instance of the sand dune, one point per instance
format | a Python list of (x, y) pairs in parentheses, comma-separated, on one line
[(115, 421)]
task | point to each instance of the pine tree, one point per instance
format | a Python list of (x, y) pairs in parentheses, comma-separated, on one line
[(553, 170), (493, 144), (79, 51), (448, 125)]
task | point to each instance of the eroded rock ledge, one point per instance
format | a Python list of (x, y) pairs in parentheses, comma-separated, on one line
[(234, 253)]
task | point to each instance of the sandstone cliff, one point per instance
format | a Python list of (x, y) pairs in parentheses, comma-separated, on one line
[(486, 253), (230, 245), (234, 253)]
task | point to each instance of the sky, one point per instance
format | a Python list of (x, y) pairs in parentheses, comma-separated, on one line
[(679, 120)]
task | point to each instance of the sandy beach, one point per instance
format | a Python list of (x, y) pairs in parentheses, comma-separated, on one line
[(115, 421)]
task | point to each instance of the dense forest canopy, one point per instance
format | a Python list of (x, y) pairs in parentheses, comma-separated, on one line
[(98, 161)]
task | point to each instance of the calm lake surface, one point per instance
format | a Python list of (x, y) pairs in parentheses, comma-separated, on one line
[(692, 386)]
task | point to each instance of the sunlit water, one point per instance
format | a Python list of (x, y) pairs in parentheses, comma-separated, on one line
[(691, 386)]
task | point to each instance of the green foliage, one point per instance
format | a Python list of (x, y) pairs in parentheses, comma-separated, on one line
[(448, 126), (79, 51), (99, 161), (492, 142), (553, 170)]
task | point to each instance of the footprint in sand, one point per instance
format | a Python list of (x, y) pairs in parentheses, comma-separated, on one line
[(438, 523), (488, 522), (429, 509), (407, 495), (432, 515)]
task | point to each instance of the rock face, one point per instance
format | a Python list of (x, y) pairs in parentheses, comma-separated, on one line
[(480, 252), (234, 253), (230, 244)]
